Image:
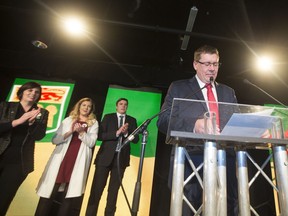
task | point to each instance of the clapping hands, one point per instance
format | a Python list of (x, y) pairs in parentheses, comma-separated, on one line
[(123, 129), (29, 117), (77, 127)]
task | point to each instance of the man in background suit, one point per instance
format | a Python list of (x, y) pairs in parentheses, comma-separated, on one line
[(112, 132), (206, 63)]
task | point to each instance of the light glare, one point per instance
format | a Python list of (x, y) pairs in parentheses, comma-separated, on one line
[(74, 26), (265, 63)]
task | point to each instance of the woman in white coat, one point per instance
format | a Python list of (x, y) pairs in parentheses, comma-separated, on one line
[(67, 169)]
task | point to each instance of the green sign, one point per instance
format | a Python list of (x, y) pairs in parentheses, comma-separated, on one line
[(55, 98)]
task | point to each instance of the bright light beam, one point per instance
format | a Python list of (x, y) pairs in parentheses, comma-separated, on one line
[(74, 26), (265, 64)]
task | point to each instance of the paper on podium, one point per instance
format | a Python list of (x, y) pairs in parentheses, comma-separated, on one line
[(249, 124)]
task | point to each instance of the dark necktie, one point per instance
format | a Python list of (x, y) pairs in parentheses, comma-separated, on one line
[(120, 136), (213, 107), (121, 121)]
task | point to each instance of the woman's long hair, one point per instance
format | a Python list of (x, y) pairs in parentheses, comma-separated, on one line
[(75, 111)]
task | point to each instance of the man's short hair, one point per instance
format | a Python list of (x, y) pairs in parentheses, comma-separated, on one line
[(206, 49), (125, 99)]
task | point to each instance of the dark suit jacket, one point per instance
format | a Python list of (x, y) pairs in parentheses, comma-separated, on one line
[(107, 134), (37, 131), (190, 89)]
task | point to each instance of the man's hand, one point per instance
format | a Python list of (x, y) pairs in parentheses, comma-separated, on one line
[(200, 127), (122, 130), (266, 134)]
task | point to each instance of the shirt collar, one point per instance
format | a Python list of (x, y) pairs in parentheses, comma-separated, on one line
[(202, 84), (118, 115)]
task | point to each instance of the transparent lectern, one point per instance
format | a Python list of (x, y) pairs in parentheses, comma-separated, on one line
[(241, 127)]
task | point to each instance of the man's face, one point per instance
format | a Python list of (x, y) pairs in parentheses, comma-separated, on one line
[(203, 71), (122, 106)]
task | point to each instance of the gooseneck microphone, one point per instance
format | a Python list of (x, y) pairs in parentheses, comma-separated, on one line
[(211, 80), (252, 84)]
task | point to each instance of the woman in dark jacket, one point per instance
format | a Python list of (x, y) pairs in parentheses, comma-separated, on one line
[(21, 123)]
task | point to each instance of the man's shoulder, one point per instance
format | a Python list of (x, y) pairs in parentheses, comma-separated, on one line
[(181, 87), (183, 81), (130, 118), (226, 87), (109, 115)]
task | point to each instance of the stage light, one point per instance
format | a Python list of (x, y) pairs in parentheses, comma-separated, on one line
[(265, 64), (75, 26)]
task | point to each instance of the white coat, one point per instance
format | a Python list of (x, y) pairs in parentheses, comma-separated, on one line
[(82, 164)]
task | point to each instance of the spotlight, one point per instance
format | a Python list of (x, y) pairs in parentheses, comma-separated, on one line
[(265, 63), (74, 26)]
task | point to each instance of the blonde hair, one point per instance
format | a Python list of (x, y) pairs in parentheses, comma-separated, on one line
[(75, 111)]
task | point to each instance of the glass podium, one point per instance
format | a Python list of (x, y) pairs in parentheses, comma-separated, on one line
[(241, 127)]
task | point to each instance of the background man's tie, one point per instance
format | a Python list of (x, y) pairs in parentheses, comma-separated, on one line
[(213, 107), (120, 136)]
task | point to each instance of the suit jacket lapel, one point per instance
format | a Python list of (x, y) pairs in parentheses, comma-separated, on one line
[(196, 88), (115, 121), (219, 91)]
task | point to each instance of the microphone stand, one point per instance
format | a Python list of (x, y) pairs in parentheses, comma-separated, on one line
[(279, 102), (252, 84), (137, 190), (143, 129)]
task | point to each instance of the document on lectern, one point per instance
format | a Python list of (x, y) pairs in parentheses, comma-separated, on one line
[(248, 124)]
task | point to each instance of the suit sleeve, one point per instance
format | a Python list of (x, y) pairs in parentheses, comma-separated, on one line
[(163, 119), (183, 117), (106, 131)]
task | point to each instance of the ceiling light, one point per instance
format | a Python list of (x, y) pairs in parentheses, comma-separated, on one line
[(39, 44), (74, 26), (265, 64)]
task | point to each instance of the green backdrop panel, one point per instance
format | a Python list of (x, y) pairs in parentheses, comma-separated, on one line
[(143, 104), (55, 98)]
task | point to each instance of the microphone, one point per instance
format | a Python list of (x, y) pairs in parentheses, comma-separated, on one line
[(211, 80), (139, 129), (252, 84)]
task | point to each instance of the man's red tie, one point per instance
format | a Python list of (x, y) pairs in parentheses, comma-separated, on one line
[(213, 107)]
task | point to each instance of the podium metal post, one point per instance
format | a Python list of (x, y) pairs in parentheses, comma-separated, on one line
[(281, 168), (210, 178), (222, 176), (243, 186), (177, 182)]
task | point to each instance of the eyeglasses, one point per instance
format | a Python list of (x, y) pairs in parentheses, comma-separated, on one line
[(207, 64)]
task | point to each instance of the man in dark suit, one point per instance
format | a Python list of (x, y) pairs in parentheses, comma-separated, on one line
[(206, 63), (114, 128)]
